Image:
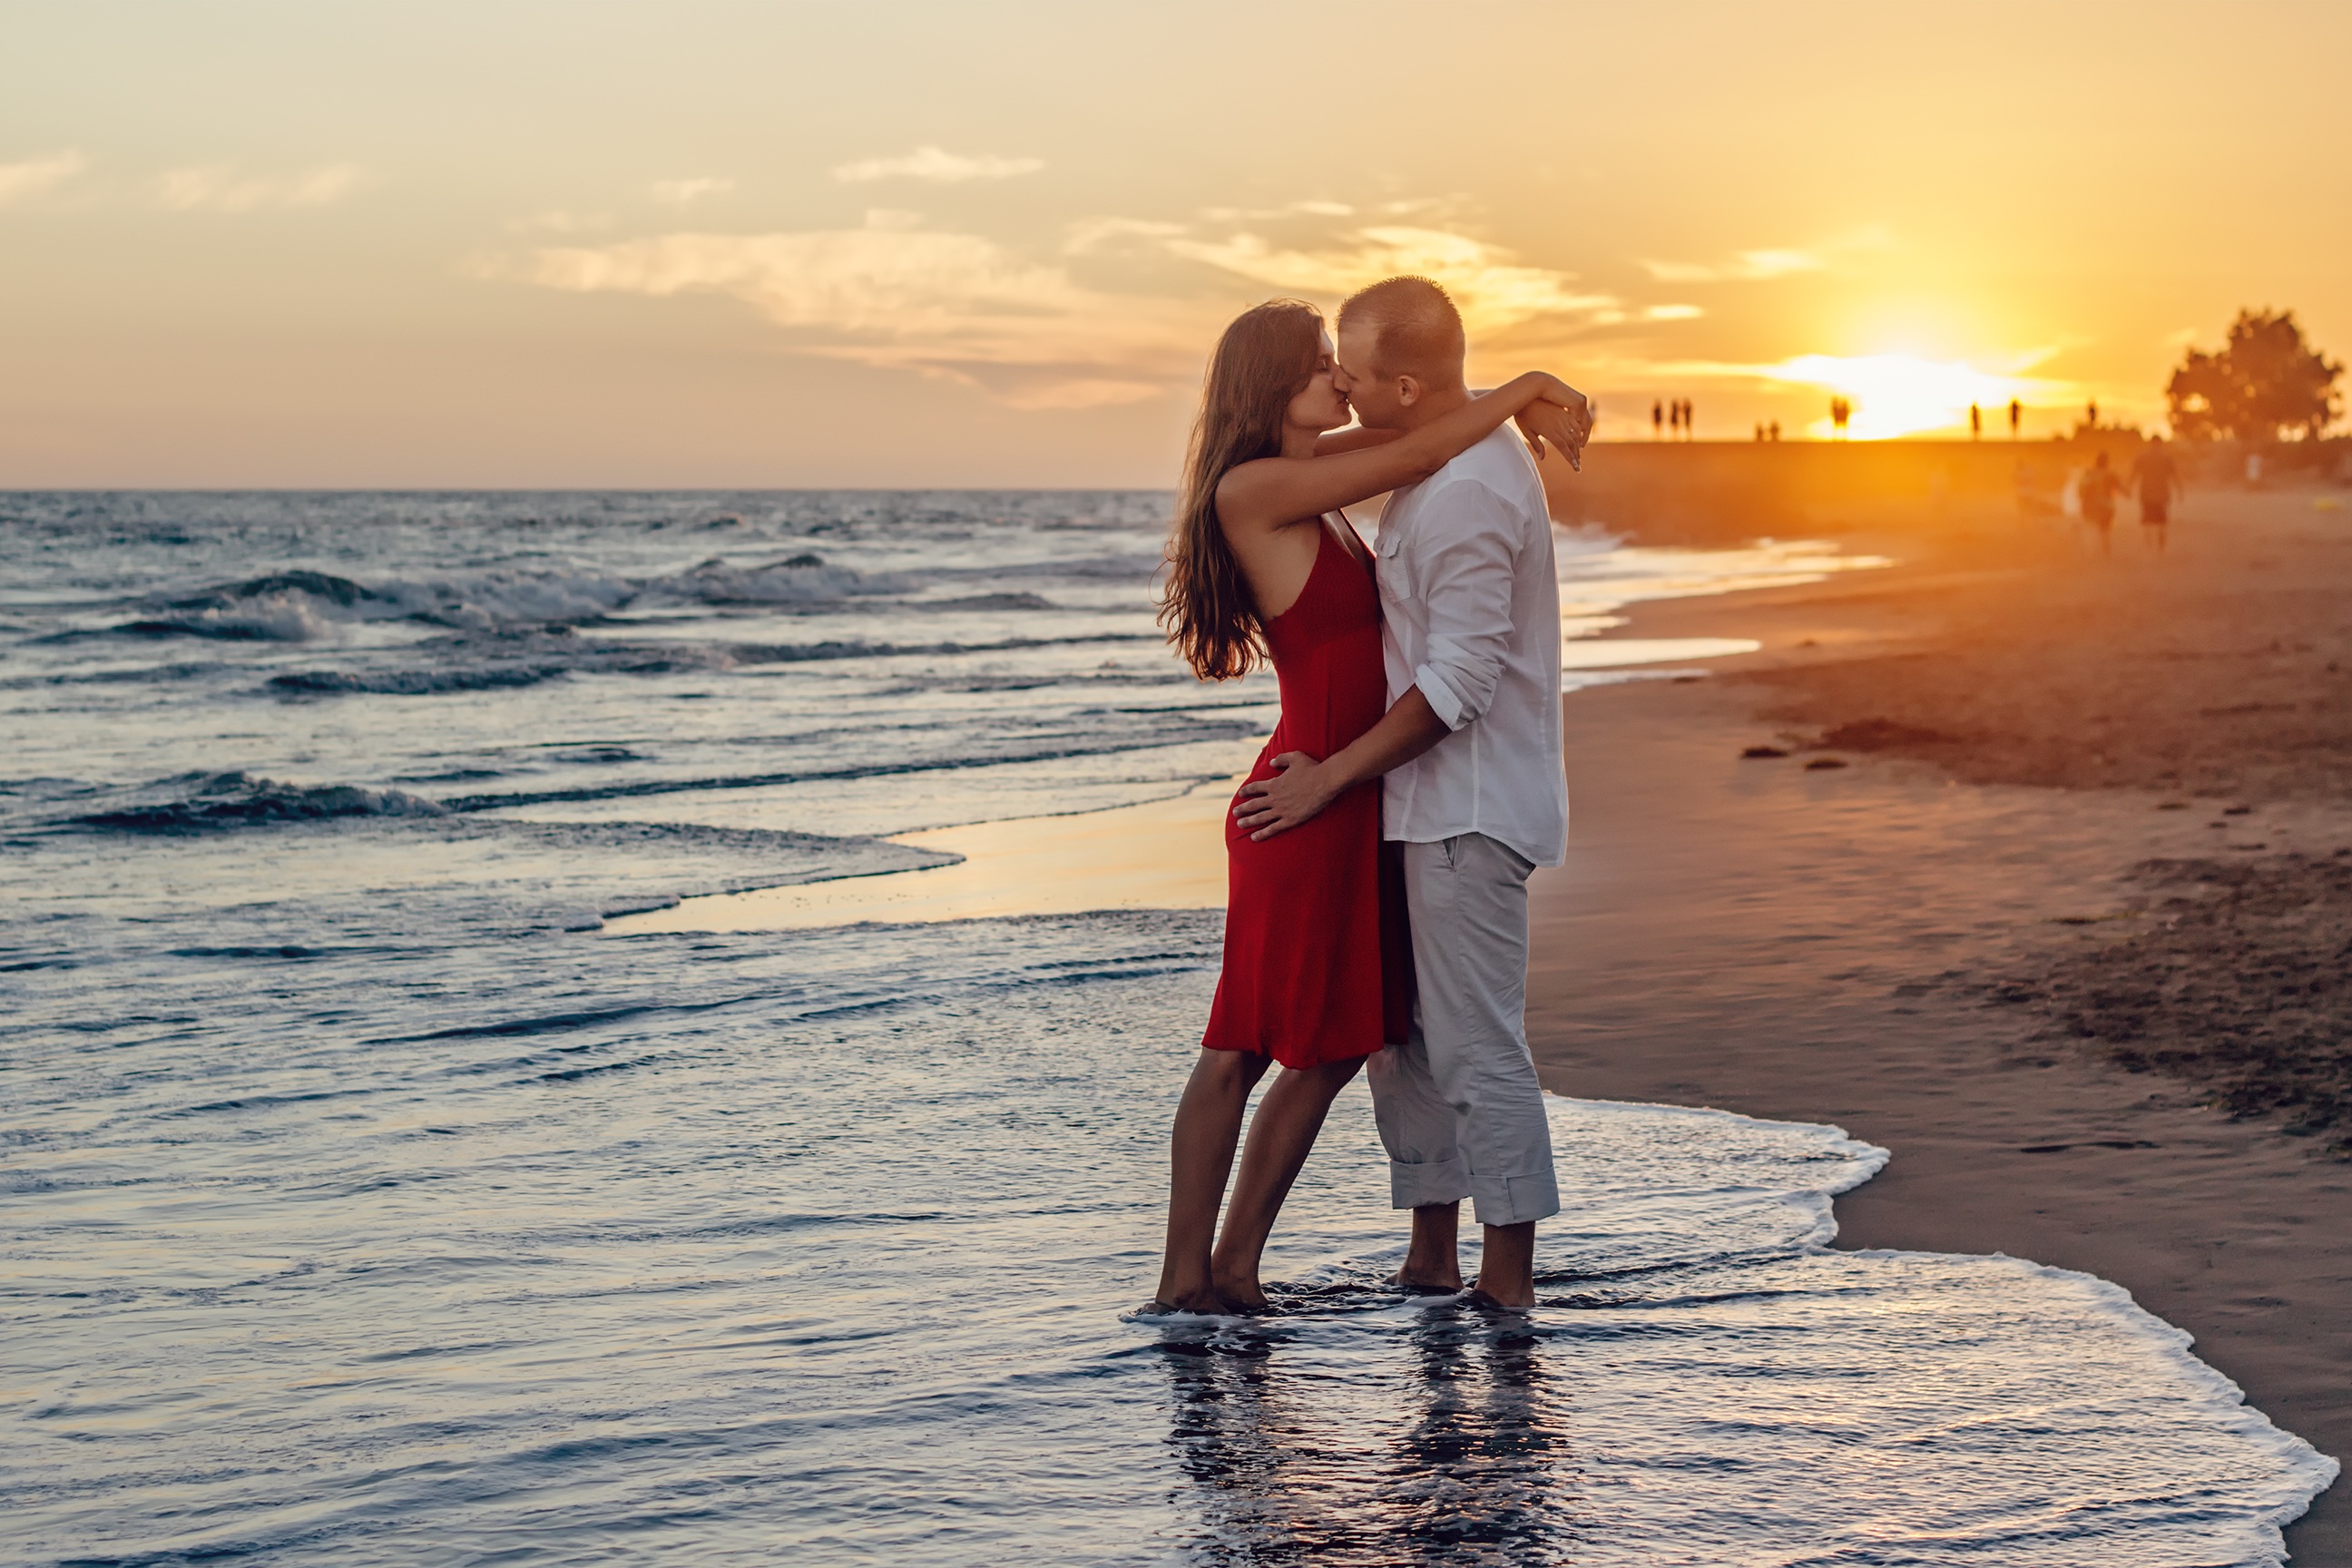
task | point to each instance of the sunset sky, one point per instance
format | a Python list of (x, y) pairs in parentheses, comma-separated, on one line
[(577, 244)]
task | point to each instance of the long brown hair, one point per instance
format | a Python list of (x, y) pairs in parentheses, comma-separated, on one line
[(1264, 359)]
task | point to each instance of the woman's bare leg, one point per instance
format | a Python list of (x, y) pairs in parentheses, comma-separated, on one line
[(1199, 1157), (1281, 1136)]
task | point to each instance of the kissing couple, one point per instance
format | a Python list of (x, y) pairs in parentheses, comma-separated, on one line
[(1379, 851)]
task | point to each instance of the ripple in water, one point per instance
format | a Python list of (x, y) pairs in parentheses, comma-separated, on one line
[(819, 1250), (359, 1206)]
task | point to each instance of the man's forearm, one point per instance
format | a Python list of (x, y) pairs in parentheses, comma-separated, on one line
[(1303, 787), (1409, 728)]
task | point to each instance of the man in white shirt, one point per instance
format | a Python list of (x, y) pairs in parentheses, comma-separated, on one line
[(1475, 792)]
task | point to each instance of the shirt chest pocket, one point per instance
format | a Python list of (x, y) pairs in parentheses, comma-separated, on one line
[(1393, 564)]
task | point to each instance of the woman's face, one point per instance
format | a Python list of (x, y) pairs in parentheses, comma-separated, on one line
[(1320, 406)]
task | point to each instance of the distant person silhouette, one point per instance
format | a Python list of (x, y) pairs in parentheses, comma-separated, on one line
[(1657, 420), (2092, 415), (2159, 481), (1775, 428), (1686, 419), (2016, 416), (1976, 423), (2096, 492)]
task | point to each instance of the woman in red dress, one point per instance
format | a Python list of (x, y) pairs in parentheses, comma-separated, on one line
[(1318, 965)]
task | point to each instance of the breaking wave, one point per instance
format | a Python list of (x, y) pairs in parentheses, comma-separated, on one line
[(308, 606), (194, 802), (526, 658)]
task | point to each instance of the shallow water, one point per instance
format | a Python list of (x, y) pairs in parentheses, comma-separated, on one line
[(360, 1204)]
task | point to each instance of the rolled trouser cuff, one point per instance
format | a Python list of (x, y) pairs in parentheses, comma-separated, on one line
[(1417, 1184), (1513, 1200)]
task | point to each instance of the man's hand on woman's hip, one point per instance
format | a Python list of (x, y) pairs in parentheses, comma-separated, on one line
[(1295, 795)]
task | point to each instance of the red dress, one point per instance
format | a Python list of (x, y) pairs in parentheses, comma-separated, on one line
[(1318, 959)]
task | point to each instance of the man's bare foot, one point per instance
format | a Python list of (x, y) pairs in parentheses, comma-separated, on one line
[(1241, 1295), (1203, 1300), (1433, 1259), (1481, 1296), (1436, 1286), (1506, 1268)]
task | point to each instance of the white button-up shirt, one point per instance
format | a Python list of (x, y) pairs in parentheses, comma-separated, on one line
[(1470, 614)]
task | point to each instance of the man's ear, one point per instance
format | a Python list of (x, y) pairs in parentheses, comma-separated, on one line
[(1408, 391)]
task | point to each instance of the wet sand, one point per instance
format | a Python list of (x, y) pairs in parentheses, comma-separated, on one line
[(1160, 855), (1945, 944), (1925, 945)]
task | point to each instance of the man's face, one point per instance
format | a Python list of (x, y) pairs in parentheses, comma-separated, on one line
[(1379, 403)]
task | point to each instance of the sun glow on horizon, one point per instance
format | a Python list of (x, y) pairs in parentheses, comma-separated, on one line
[(1904, 395), (616, 254)]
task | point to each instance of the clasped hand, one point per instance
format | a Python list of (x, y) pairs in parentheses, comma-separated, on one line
[(1561, 419), (1293, 796)]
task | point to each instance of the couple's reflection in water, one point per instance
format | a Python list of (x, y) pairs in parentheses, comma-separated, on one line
[(1355, 1437)]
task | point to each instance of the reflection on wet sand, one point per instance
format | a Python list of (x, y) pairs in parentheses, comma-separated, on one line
[(1160, 855), (1301, 1449)]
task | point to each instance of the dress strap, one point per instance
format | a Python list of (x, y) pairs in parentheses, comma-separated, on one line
[(1358, 551)]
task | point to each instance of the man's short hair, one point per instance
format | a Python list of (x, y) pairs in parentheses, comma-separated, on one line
[(1415, 328)]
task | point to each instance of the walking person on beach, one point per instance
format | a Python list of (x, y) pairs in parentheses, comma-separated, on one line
[(2096, 492), (2159, 481), (1476, 794), (1264, 565)]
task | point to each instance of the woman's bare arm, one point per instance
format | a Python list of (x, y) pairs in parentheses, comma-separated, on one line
[(1354, 438), (1274, 491)]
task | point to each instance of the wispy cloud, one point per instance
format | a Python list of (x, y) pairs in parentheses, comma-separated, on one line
[(1092, 235), (940, 303), (558, 220), (1289, 209), (939, 165), (1762, 265), (1126, 310), (1494, 290), (220, 188), (1746, 265), (684, 192), (34, 176)]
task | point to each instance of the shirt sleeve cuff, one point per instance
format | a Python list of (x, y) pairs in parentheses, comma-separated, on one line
[(1443, 699)]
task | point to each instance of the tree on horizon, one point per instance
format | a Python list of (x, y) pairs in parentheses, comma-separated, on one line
[(2266, 383)]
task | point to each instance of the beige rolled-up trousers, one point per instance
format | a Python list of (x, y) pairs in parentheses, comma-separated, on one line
[(1458, 1106)]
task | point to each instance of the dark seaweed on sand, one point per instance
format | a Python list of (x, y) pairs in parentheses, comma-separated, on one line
[(2239, 979)]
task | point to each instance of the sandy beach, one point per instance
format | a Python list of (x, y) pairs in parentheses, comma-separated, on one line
[(2028, 862), (2065, 928)]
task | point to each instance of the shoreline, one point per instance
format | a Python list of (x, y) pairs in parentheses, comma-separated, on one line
[(1835, 944), (1858, 943)]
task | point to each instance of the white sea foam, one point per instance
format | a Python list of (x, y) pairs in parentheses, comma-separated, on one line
[(357, 1214), (836, 1236)]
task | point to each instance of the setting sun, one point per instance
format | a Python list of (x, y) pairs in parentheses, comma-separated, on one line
[(984, 781), (741, 281), (1901, 395)]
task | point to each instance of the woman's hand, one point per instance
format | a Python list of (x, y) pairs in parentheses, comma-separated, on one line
[(1542, 424), (1275, 493), (1561, 416)]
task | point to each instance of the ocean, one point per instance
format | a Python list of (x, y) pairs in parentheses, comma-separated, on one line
[(371, 1190)]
